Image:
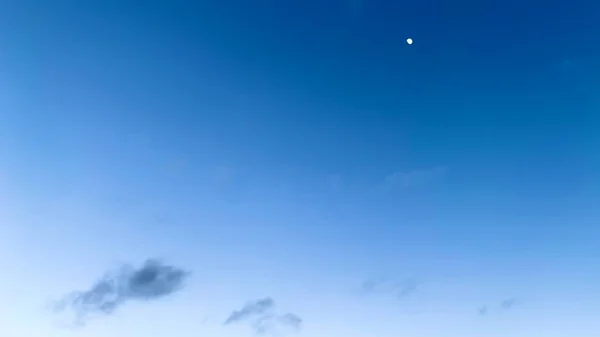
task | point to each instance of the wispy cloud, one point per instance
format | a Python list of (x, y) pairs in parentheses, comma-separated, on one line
[(291, 320), (482, 311), (223, 174), (250, 309), (508, 303), (505, 305), (262, 316), (404, 179), (387, 286), (150, 281)]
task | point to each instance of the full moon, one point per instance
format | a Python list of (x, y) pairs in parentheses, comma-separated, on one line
[(409, 41)]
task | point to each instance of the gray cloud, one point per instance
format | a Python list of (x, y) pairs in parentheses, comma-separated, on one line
[(386, 286), (262, 317), (404, 179), (255, 308), (152, 280), (291, 320), (508, 303), (483, 311)]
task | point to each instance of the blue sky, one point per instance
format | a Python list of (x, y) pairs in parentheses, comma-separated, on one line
[(289, 151)]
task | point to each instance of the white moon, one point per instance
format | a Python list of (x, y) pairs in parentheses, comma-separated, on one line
[(409, 41)]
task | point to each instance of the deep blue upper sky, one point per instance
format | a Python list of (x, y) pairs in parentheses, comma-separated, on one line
[(502, 95), (500, 92)]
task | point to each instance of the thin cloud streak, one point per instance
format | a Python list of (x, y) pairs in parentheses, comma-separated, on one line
[(385, 286), (483, 311), (405, 179), (263, 318), (255, 308), (508, 303)]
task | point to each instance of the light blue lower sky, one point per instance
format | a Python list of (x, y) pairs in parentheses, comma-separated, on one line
[(310, 250)]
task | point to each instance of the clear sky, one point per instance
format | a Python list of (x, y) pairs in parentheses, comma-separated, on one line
[(314, 174)]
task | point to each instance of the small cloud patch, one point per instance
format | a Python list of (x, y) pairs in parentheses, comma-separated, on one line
[(508, 303), (483, 311), (263, 317), (405, 179), (151, 281), (385, 286)]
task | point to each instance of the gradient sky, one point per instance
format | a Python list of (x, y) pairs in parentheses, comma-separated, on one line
[(296, 149)]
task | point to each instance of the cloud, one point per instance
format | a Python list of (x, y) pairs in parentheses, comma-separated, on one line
[(386, 286), (404, 179), (263, 318), (254, 308), (151, 281), (483, 310), (223, 175), (508, 303), (291, 320)]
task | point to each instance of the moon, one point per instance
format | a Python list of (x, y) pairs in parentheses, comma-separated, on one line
[(409, 41)]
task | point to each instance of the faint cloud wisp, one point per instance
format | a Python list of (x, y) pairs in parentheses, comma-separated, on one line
[(482, 311), (223, 175), (152, 280), (505, 305), (254, 308), (263, 318), (508, 303), (404, 179), (386, 286)]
